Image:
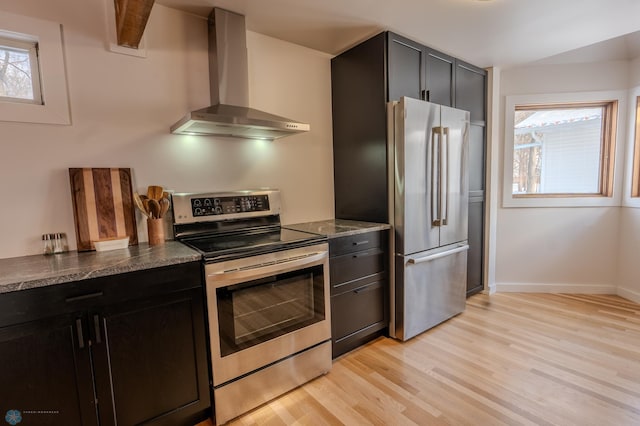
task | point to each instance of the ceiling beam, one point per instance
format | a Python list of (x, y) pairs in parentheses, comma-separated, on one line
[(131, 19)]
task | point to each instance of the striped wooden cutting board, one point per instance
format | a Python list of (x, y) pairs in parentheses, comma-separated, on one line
[(102, 205)]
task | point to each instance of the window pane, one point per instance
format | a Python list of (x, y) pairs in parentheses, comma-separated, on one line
[(557, 150), (635, 178), (16, 77)]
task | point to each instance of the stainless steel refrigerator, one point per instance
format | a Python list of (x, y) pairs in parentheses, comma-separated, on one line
[(429, 192)]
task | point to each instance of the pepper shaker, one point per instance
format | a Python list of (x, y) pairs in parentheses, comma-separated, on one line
[(60, 243)]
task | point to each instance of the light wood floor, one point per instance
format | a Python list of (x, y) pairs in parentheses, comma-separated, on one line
[(512, 359)]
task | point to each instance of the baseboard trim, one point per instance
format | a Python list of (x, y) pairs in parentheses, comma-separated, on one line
[(491, 289), (556, 288), (632, 295)]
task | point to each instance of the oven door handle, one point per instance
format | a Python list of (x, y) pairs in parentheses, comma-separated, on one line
[(263, 270)]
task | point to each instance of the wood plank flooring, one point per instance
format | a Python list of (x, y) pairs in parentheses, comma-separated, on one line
[(509, 359)]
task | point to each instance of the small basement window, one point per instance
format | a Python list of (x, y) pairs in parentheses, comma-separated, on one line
[(19, 71), (33, 78)]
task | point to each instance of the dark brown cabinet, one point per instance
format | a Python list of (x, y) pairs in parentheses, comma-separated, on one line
[(470, 95), (45, 370), (359, 288), (126, 349), (367, 76), (419, 72)]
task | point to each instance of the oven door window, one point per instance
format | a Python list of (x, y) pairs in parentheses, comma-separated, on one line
[(257, 311)]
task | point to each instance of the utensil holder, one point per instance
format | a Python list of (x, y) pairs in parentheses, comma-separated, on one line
[(155, 231)]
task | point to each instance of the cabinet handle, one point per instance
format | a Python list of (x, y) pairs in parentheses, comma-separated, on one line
[(96, 325), (424, 95), (359, 243), (79, 331), (83, 297), (364, 288)]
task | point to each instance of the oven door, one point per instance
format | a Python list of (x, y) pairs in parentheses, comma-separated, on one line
[(265, 308)]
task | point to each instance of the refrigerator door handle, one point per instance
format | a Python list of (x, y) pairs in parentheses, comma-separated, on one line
[(435, 195), (445, 177), (439, 255)]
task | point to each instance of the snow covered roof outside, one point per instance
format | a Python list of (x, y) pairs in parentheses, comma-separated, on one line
[(554, 117)]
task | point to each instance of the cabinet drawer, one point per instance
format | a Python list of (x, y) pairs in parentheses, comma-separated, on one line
[(32, 304), (357, 309), (353, 243), (349, 267)]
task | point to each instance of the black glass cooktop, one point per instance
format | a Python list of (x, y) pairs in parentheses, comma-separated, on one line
[(214, 247)]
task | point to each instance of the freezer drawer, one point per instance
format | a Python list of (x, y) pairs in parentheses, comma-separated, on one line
[(430, 288)]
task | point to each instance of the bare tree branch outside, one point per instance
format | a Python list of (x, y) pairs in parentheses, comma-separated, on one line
[(15, 73)]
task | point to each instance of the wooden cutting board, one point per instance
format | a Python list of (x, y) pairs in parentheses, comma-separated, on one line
[(102, 205)]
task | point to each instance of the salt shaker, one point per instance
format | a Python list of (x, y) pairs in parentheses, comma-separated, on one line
[(48, 243), (60, 243)]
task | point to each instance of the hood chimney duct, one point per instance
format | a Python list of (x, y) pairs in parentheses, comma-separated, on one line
[(230, 114)]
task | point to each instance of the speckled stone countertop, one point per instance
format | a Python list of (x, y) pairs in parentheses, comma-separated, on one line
[(21, 273), (334, 228)]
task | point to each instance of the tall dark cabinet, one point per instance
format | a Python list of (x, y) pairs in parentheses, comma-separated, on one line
[(364, 79)]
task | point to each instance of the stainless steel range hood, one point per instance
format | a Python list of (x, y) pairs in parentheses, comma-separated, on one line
[(230, 114)]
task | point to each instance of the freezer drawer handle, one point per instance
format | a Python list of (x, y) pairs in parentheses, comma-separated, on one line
[(439, 255)]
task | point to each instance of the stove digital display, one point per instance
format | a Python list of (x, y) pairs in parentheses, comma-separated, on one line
[(229, 205)]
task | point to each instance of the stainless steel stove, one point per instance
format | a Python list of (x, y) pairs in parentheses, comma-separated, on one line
[(267, 294)]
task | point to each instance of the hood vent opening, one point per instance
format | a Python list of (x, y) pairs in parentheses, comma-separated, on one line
[(230, 114)]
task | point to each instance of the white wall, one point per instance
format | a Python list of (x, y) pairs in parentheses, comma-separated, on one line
[(628, 270), (558, 249), (634, 73), (121, 110)]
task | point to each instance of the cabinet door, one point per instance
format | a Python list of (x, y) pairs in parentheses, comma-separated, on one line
[(440, 77), (45, 370), (475, 281), (405, 68), (470, 91), (471, 96), (150, 360)]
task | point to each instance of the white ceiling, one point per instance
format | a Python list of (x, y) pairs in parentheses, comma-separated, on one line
[(485, 33)]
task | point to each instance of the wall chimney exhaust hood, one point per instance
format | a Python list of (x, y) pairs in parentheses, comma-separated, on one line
[(230, 114)]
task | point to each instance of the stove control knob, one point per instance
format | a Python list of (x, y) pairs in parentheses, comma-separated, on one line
[(218, 210), (197, 212)]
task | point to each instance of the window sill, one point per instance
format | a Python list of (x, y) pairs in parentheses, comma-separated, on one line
[(591, 201)]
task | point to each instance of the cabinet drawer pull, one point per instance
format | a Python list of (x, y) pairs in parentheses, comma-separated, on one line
[(359, 243), (364, 288), (80, 334), (83, 297), (96, 325)]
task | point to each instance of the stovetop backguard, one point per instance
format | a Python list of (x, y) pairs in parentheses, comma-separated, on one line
[(234, 224)]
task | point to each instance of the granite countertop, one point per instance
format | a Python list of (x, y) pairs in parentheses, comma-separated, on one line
[(334, 228), (21, 273)]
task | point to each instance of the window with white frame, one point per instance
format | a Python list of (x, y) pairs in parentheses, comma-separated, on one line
[(560, 149), (33, 77), (635, 183), (19, 70)]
